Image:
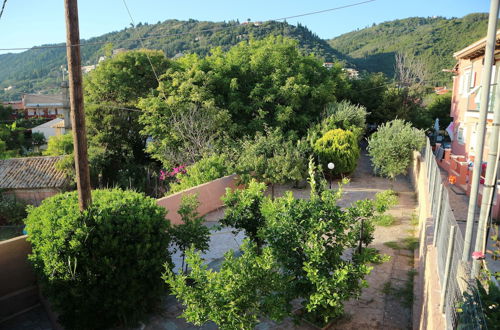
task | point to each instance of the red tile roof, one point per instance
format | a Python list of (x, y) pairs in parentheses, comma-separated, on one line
[(31, 173)]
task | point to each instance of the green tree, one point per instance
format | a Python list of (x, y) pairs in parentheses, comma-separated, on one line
[(271, 158), (438, 106), (235, 297), (255, 84), (206, 169), (392, 146), (59, 145), (339, 147), (243, 210), (37, 140), (116, 147), (192, 232)]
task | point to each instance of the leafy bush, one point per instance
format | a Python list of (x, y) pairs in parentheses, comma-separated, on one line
[(101, 266), (12, 210), (303, 259), (207, 169), (391, 147), (192, 232), (347, 116), (59, 145), (272, 158), (242, 210), (339, 147), (385, 200)]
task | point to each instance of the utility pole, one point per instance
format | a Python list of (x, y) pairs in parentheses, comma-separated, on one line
[(483, 111), (490, 181), (76, 102)]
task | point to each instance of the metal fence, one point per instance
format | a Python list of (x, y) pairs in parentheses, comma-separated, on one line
[(459, 295)]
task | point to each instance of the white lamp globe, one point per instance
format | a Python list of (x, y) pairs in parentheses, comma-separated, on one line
[(331, 166)]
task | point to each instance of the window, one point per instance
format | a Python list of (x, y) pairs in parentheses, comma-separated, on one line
[(465, 81), (460, 135)]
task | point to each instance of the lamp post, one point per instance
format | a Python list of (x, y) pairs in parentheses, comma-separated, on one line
[(331, 166)]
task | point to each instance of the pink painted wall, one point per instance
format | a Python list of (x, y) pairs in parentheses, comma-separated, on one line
[(209, 196)]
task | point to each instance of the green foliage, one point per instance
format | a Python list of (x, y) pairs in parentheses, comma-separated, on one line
[(116, 147), (255, 84), (210, 167), (243, 210), (339, 147), (101, 266), (36, 70), (308, 238), (38, 139), (192, 232), (384, 220), (385, 200), (12, 210), (438, 106), (432, 40), (271, 158), (345, 115), (238, 295), (59, 145), (391, 147)]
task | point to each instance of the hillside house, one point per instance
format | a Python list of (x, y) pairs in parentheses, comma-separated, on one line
[(45, 106), (32, 179), (457, 159)]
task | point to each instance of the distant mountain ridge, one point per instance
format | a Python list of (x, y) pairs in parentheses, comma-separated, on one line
[(40, 69), (432, 39)]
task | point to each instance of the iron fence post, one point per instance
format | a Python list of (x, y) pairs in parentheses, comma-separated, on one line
[(437, 220), (444, 289)]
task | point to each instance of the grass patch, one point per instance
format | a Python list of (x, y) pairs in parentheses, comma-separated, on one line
[(414, 219), (411, 243), (393, 245), (404, 294), (379, 258), (384, 220)]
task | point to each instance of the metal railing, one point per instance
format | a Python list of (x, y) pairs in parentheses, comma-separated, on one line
[(460, 301)]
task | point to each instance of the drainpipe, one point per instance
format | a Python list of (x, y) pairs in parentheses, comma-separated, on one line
[(66, 108), (483, 111)]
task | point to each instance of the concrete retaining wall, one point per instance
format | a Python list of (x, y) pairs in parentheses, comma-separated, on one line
[(18, 290), (209, 194), (427, 290)]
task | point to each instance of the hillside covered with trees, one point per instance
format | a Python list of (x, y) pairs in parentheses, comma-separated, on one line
[(38, 70), (432, 40)]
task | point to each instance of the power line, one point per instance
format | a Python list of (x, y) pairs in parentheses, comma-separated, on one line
[(3, 7), (154, 36), (142, 43)]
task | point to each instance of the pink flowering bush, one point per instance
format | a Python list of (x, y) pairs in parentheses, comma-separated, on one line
[(164, 175)]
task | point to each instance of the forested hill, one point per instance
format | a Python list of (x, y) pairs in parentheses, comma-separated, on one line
[(40, 69), (433, 40)]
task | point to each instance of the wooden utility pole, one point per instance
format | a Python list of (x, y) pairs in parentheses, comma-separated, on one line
[(76, 103)]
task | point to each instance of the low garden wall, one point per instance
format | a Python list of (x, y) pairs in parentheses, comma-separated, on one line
[(18, 290), (209, 195)]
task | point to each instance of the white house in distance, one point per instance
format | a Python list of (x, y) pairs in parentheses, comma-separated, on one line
[(54, 127)]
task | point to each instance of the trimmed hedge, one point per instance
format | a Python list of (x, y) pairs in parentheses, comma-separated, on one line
[(103, 266), (339, 147)]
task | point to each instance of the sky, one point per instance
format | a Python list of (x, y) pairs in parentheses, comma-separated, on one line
[(27, 23)]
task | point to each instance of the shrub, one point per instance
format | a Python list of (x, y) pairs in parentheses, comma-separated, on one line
[(391, 147), (207, 169), (192, 232), (345, 115), (101, 266), (339, 147), (59, 145), (242, 210), (12, 210)]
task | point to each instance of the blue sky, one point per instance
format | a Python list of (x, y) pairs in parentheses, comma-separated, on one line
[(27, 23)]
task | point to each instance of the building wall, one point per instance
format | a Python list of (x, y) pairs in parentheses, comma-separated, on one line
[(18, 290), (32, 196), (209, 196)]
